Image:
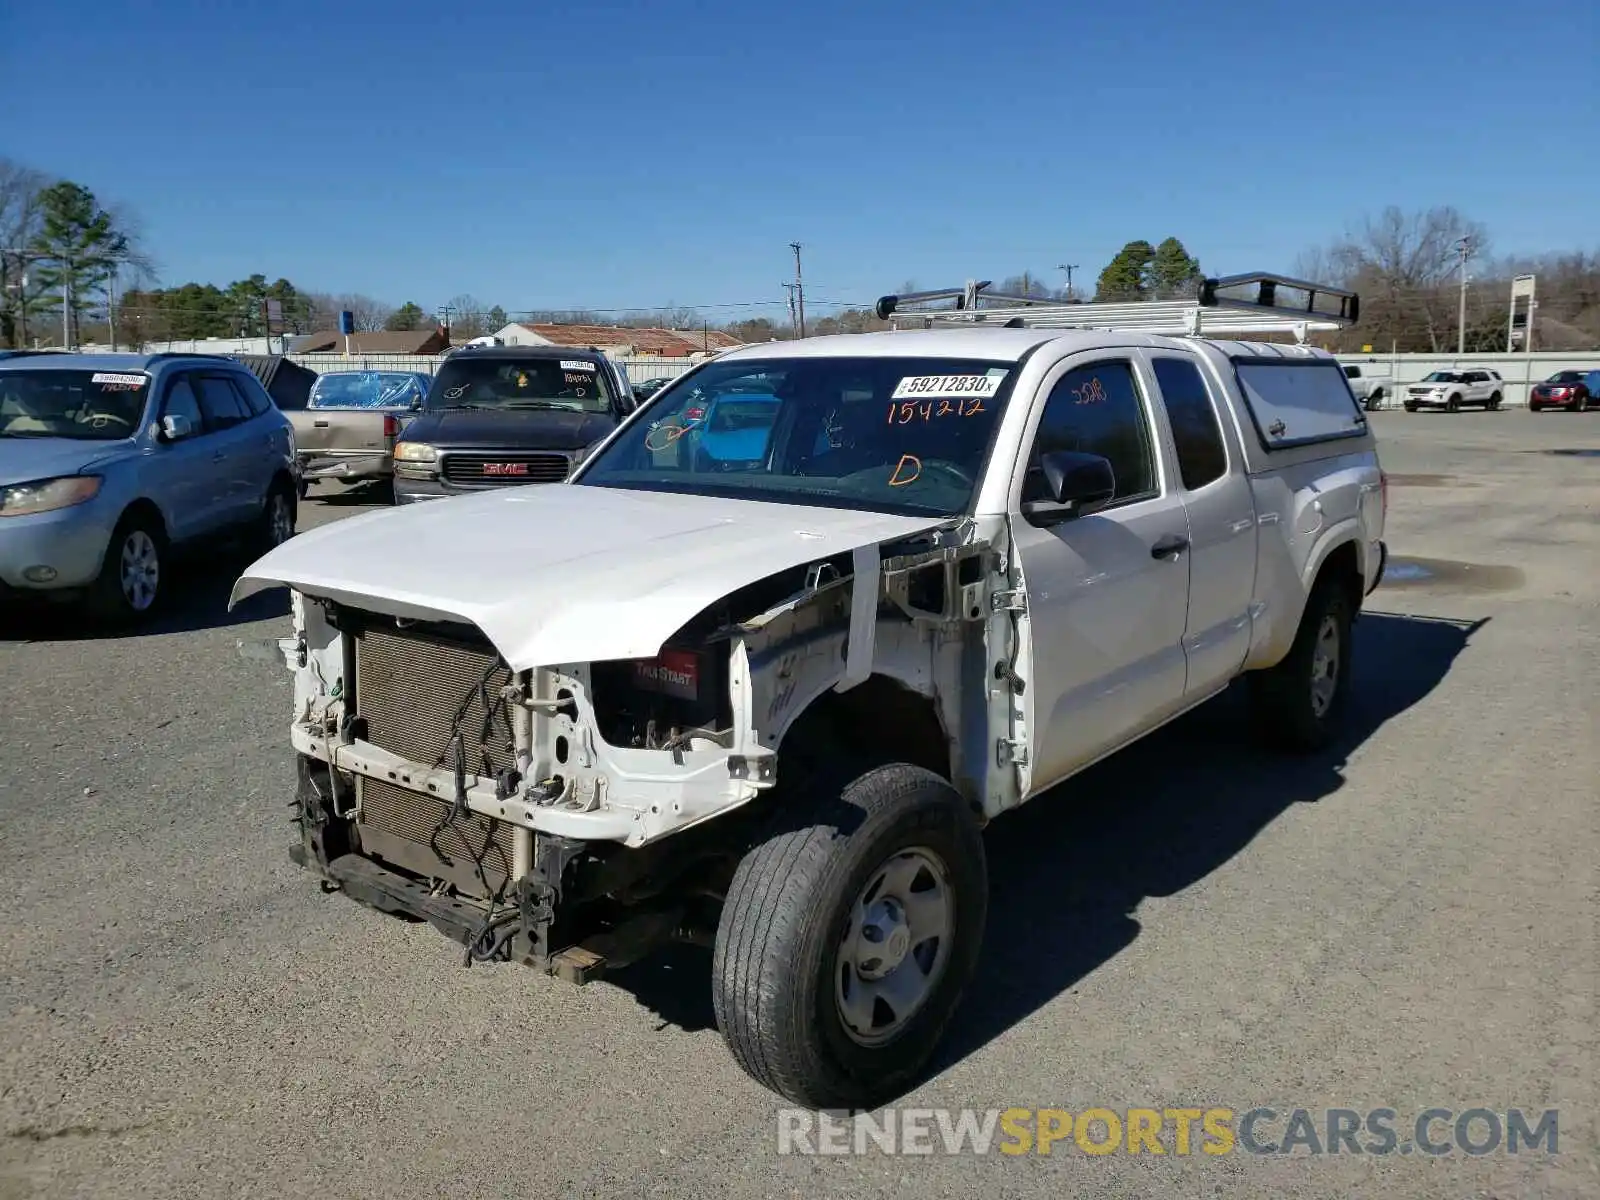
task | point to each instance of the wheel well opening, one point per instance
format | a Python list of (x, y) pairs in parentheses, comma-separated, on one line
[(880, 719), (1343, 565)]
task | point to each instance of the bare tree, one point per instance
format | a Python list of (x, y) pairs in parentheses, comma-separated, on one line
[(21, 218), (468, 317), (1401, 263)]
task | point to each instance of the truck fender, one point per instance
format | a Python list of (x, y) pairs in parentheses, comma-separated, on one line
[(1282, 625)]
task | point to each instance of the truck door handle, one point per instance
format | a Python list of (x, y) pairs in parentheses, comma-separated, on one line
[(319, 424), (1169, 546)]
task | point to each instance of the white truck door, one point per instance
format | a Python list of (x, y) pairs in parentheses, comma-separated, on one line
[(1210, 476), (1107, 592)]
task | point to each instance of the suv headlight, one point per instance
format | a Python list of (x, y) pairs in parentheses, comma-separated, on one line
[(416, 452), (47, 495)]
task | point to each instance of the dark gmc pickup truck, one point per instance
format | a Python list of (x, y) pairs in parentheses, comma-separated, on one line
[(499, 415)]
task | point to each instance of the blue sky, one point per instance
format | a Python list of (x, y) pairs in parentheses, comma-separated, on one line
[(608, 155)]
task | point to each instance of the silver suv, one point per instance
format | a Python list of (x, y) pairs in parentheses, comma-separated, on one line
[(110, 461)]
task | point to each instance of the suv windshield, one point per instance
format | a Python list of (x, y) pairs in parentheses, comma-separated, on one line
[(367, 389), (575, 384), (902, 435), (86, 405), (1444, 377), (1566, 377)]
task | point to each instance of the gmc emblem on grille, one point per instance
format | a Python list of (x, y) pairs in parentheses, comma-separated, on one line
[(505, 468)]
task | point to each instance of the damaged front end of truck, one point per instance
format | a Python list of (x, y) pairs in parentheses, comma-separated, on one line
[(574, 815)]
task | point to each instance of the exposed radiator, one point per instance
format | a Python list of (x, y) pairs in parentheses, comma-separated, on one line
[(409, 689)]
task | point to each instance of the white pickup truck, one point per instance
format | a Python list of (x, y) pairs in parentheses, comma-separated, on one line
[(762, 685), (1368, 386)]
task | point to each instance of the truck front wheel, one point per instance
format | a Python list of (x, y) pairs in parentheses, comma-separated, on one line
[(849, 935), (1300, 702)]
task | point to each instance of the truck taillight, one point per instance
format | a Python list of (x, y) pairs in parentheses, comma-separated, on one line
[(391, 425)]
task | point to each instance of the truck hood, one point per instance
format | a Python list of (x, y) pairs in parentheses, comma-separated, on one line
[(510, 429), (561, 573), (23, 459)]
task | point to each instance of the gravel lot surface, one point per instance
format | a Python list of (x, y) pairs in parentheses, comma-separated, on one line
[(1408, 922)]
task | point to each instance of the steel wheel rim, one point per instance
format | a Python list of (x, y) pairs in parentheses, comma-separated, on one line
[(278, 520), (140, 570), (1325, 666), (896, 946)]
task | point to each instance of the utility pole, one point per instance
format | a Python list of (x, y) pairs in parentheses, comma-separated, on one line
[(1069, 268), (1464, 248), (799, 290), (111, 305)]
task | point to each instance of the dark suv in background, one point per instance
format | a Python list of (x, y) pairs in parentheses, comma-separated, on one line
[(504, 415)]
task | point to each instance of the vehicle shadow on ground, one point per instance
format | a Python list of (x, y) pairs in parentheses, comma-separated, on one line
[(197, 591), (1068, 870), (352, 495)]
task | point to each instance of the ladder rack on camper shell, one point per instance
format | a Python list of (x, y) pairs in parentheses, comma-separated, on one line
[(1210, 314)]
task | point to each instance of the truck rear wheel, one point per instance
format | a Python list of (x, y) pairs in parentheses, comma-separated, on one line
[(849, 935), (1300, 702)]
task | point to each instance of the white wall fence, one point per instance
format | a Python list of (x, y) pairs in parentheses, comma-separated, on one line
[(638, 369), (1520, 371)]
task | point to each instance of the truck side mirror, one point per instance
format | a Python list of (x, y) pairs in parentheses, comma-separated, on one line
[(1074, 484)]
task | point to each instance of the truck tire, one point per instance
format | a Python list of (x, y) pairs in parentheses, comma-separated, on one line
[(849, 935), (1300, 702)]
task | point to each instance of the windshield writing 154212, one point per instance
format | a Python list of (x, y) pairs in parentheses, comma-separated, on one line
[(908, 411)]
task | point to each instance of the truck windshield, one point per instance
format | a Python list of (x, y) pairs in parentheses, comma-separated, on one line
[(901, 435), (93, 406), (366, 389), (578, 385)]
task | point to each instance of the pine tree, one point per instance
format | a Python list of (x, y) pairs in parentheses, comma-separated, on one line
[(1125, 276), (1174, 274)]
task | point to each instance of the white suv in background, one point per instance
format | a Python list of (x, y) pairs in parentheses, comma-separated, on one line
[(1451, 390)]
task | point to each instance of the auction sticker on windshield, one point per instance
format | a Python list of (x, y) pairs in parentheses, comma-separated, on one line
[(946, 385), (576, 365), (135, 381)]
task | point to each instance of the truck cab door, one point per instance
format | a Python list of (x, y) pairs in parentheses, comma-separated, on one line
[(1105, 593), (1208, 471)]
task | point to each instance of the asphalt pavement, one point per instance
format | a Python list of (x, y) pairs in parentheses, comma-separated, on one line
[(1408, 921)]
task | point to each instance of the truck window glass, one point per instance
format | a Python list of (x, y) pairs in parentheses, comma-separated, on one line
[(1293, 402), (1196, 432), (499, 382), (1096, 410), (901, 435)]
